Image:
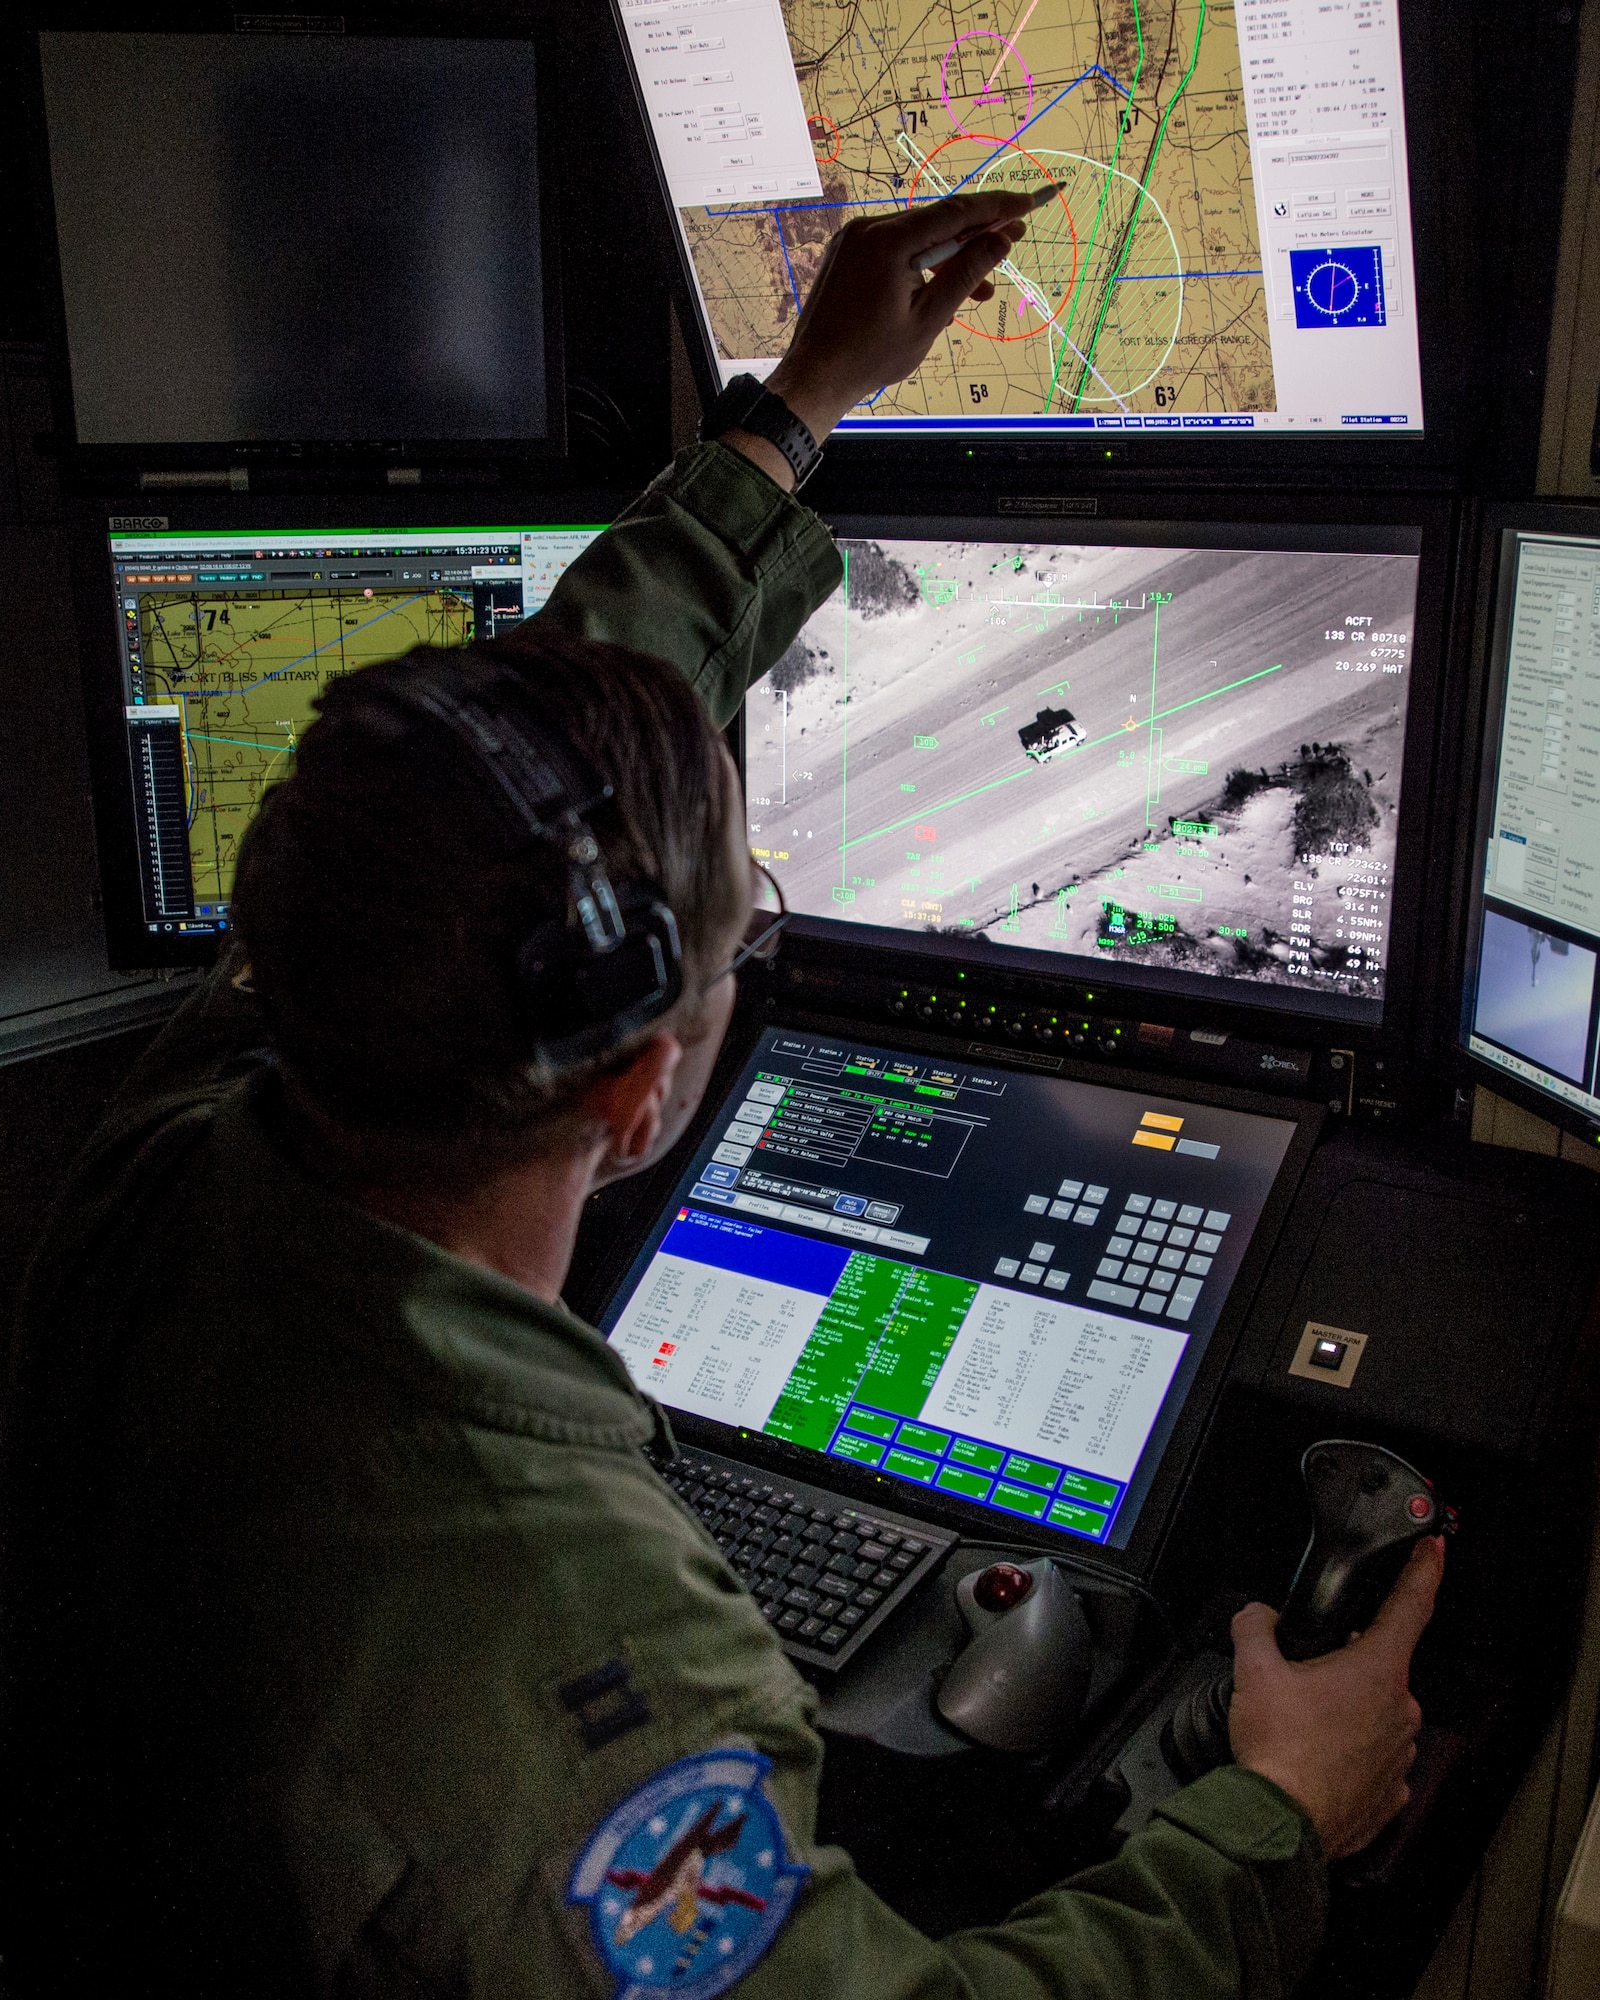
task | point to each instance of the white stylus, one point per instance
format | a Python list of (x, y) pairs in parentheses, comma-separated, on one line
[(930, 260)]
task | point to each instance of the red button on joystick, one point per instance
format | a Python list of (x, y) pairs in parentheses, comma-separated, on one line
[(1001, 1586), (1419, 1506)]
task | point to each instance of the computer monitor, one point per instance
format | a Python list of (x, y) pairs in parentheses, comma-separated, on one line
[(1008, 1293), (1164, 754), (291, 233), (1230, 246), (223, 643), (1531, 994)]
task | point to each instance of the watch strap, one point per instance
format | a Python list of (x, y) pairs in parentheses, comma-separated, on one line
[(747, 405)]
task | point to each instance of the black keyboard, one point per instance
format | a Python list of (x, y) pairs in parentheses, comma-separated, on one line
[(826, 1574)]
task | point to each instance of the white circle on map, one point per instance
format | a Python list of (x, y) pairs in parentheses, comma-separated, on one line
[(1133, 339)]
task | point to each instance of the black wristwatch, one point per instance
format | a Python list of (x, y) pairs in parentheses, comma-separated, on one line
[(746, 405)]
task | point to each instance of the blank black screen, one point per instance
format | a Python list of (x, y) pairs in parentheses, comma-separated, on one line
[(286, 237)]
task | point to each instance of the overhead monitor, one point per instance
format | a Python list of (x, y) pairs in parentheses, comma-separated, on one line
[(1532, 995), (1171, 756), (305, 236), (997, 1287), (225, 641), (1230, 249)]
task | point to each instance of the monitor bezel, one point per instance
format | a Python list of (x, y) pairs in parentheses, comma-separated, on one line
[(130, 946), (108, 465), (631, 1221), (1498, 526), (1455, 349), (1122, 511)]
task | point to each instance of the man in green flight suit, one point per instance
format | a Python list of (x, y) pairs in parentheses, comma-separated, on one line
[(351, 1644)]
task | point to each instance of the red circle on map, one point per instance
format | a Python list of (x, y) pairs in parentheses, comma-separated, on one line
[(1066, 291), (821, 118)]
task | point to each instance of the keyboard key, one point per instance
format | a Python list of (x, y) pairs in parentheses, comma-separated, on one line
[(1144, 1253), (1087, 1215), (902, 1562), (1198, 1265), (910, 1547), (809, 1629), (1070, 1190), (1164, 1211), (1161, 1281), (841, 1565), (1112, 1295), (844, 1543), (852, 1616), (863, 1572), (829, 1607), (1190, 1215), (886, 1579), (873, 1552), (1208, 1243), (1109, 1267), (1056, 1281), (1181, 1237), (1171, 1260), (1119, 1246), (1030, 1274), (772, 1611), (1007, 1267), (804, 1574), (1217, 1218), (886, 1540), (790, 1621), (870, 1596), (800, 1600), (1152, 1302), (1096, 1194), (1036, 1204), (1138, 1204), (831, 1638), (1154, 1232), (1061, 1211)]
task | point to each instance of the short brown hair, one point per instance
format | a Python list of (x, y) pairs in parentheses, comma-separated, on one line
[(381, 902)]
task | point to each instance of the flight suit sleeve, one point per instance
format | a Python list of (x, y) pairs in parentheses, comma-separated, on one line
[(1222, 1897), (714, 568)]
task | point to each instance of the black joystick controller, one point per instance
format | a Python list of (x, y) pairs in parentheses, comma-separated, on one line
[(1369, 1509)]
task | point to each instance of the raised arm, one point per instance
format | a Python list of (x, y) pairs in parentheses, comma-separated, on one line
[(718, 566)]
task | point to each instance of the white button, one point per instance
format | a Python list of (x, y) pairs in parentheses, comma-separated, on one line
[(1041, 1253), (1070, 1190), (1036, 1204), (1056, 1281), (1217, 1218), (1006, 1268), (1030, 1274)]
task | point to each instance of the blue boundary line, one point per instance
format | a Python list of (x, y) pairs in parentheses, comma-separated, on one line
[(888, 201), (777, 223)]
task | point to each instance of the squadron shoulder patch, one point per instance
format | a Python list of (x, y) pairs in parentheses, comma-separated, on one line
[(688, 1880)]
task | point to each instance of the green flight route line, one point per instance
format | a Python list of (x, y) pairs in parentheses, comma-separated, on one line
[(843, 893), (1138, 204), (882, 1339), (1070, 318), (1095, 743)]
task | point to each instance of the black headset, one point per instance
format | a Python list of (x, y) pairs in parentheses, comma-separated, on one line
[(587, 981)]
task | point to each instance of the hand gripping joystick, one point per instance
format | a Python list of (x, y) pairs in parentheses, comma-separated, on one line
[(1368, 1511)]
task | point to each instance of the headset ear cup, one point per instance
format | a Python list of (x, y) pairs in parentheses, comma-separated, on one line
[(577, 1002)]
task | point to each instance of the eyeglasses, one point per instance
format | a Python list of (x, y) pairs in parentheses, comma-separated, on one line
[(768, 916)]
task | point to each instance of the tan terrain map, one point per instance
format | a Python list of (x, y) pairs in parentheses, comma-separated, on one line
[(1138, 289)]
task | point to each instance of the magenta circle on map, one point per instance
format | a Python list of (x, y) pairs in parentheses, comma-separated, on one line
[(987, 95)]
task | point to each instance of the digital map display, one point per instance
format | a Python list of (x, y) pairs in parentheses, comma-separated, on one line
[(1191, 269), (1187, 759), (229, 641)]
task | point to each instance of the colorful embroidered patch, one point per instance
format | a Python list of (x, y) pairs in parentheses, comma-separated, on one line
[(688, 1880)]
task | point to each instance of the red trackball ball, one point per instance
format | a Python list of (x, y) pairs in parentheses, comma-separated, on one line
[(1001, 1586)]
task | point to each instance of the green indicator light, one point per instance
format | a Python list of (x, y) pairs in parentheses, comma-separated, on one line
[(1032, 1471), (924, 1439), (984, 1456), (971, 1485), (1098, 1492), (1084, 1520), (873, 1422), (858, 1449), (1017, 1500), (909, 1465)]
